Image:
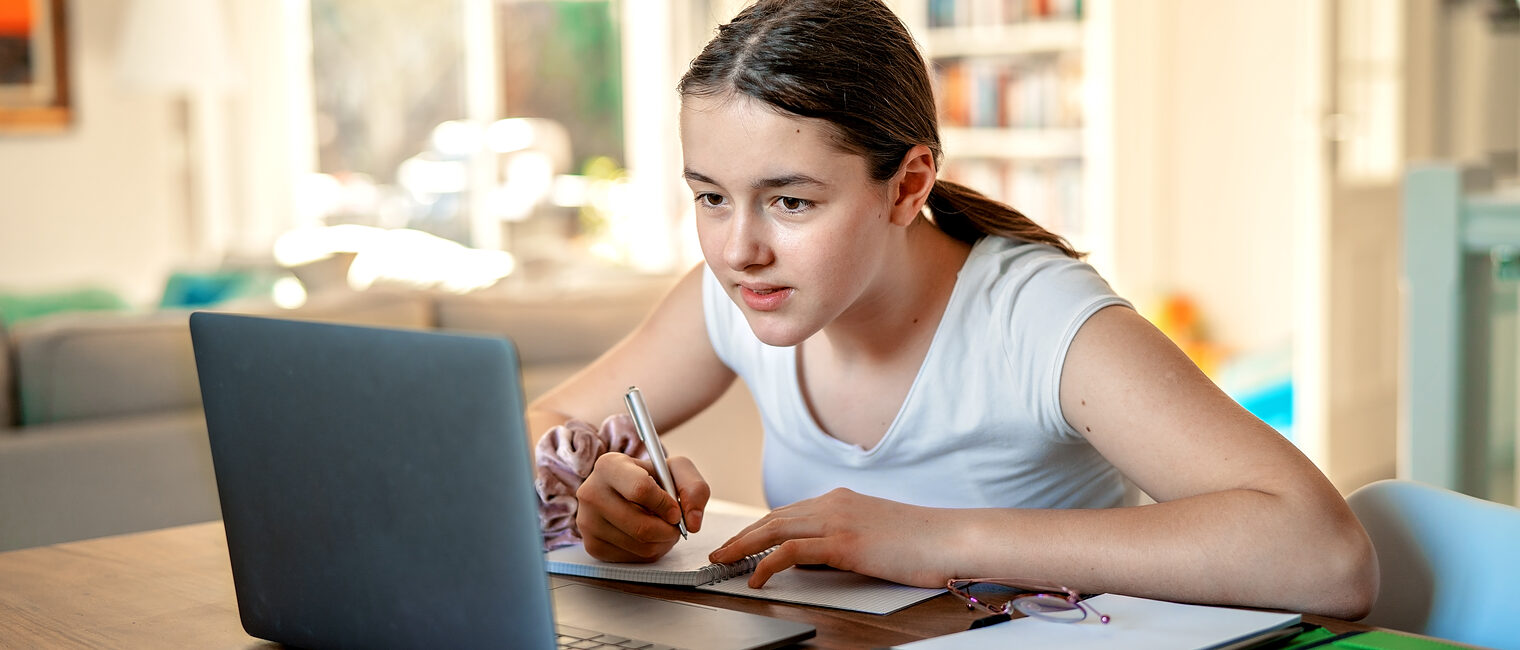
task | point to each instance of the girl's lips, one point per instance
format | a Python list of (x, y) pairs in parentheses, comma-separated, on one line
[(764, 298)]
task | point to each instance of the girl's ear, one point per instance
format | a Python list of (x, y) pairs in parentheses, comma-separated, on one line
[(911, 185)]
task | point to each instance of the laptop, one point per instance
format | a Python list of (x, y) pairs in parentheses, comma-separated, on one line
[(376, 488)]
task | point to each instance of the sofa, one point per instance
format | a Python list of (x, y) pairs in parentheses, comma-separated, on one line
[(101, 430)]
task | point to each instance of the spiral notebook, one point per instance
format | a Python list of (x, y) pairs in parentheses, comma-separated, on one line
[(686, 565)]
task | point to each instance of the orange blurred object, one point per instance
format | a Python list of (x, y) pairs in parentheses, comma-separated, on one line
[(1178, 318), (15, 18)]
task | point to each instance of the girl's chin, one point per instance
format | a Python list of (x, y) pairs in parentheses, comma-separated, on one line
[(774, 331)]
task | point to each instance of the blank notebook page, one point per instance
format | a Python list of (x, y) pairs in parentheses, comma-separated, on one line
[(829, 588), (1137, 624)]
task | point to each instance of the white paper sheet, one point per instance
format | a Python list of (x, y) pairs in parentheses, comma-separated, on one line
[(1136, 624)]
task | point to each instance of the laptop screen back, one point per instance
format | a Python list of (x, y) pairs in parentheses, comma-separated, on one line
[(375, 484)]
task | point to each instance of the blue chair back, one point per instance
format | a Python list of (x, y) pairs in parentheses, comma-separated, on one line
[(1450, 562)]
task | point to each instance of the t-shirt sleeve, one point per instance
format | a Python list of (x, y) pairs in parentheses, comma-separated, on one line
[(1049, 296)]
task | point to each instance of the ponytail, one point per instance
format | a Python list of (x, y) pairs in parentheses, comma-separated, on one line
[(968, 215)]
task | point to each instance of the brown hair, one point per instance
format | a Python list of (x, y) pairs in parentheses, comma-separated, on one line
[(853, 64)]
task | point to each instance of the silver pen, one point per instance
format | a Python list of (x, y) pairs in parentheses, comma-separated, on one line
[(645, 426)]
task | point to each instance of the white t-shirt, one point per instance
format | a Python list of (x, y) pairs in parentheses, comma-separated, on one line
[(982, 423)]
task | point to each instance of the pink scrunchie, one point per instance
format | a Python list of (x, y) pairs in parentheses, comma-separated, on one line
[(564, 458)]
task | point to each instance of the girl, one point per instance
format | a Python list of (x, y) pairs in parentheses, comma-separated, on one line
[(950, 394)]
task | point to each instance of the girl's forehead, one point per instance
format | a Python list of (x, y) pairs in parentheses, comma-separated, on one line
[(737, 137), (735, 114)]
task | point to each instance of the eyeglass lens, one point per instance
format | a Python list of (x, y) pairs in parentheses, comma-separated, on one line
[(1049, 607), (1030, 603)]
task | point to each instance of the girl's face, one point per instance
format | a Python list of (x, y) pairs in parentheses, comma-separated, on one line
[(794, 229)]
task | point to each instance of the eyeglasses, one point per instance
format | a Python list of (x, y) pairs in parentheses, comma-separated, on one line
[(1031, 598)]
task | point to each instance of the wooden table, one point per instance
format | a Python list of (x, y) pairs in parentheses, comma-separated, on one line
[(173, 588)]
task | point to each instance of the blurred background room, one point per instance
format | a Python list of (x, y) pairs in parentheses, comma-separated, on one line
[(1314, 198)]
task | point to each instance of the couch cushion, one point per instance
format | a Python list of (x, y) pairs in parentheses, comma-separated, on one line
[(82, 366), (7, 386), (550, 330), (377, 308), (75, 480)]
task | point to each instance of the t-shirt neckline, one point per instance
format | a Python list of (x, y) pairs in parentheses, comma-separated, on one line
[(816, 431)]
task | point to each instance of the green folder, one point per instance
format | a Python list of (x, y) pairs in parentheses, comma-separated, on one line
[(1371, 640)]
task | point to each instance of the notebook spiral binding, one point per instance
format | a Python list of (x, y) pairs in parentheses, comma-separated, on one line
[(720, 572)]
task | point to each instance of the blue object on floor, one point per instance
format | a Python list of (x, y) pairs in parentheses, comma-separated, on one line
[(1273, 404), (1261, 380)]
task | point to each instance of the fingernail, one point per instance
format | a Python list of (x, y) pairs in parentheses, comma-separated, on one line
[(694, 518)]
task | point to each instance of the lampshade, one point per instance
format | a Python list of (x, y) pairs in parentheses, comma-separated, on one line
[(176, 45)]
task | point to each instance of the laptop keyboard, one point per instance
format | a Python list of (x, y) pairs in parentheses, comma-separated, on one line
[(579, 639)]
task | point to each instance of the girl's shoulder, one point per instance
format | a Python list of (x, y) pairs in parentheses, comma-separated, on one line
[(1029, 292), (1016, 265)]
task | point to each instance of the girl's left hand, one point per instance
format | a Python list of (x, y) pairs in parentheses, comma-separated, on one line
[(847, 530)]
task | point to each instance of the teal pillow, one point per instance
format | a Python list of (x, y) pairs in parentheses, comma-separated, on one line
[(17, 307), (189, 290)]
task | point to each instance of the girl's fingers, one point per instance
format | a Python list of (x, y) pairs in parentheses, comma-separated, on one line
[(769, 532), (634, 481), (615, 514), (810, 550), (693, 489)]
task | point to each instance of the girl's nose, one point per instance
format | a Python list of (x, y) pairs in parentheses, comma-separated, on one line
[(746, 245)]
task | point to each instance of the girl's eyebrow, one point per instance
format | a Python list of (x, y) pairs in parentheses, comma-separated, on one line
[(700, 178), (789, 180)]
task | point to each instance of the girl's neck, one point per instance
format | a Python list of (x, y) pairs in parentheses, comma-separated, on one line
[(903, 307)]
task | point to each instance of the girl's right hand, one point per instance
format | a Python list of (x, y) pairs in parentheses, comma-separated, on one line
[(624, 515)]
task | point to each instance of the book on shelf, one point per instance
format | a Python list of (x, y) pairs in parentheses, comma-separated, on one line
[(1049, 192), (686, 565), (951, 13), (1030, 93)]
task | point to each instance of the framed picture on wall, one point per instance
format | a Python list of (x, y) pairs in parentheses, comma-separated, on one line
[(34, 79)]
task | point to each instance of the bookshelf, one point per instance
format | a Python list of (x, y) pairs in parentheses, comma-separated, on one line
[(1012, 90)]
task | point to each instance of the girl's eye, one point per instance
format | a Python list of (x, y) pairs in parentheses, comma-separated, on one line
[(791, 204), (708, 199)]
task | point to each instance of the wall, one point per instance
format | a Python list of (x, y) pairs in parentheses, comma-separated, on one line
[(272, 137), (1236, 110), (1217, 169), (1209, 147), (107, 202), (101, 203)]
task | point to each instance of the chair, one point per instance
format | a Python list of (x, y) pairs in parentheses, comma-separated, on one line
[(1450, 562)]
